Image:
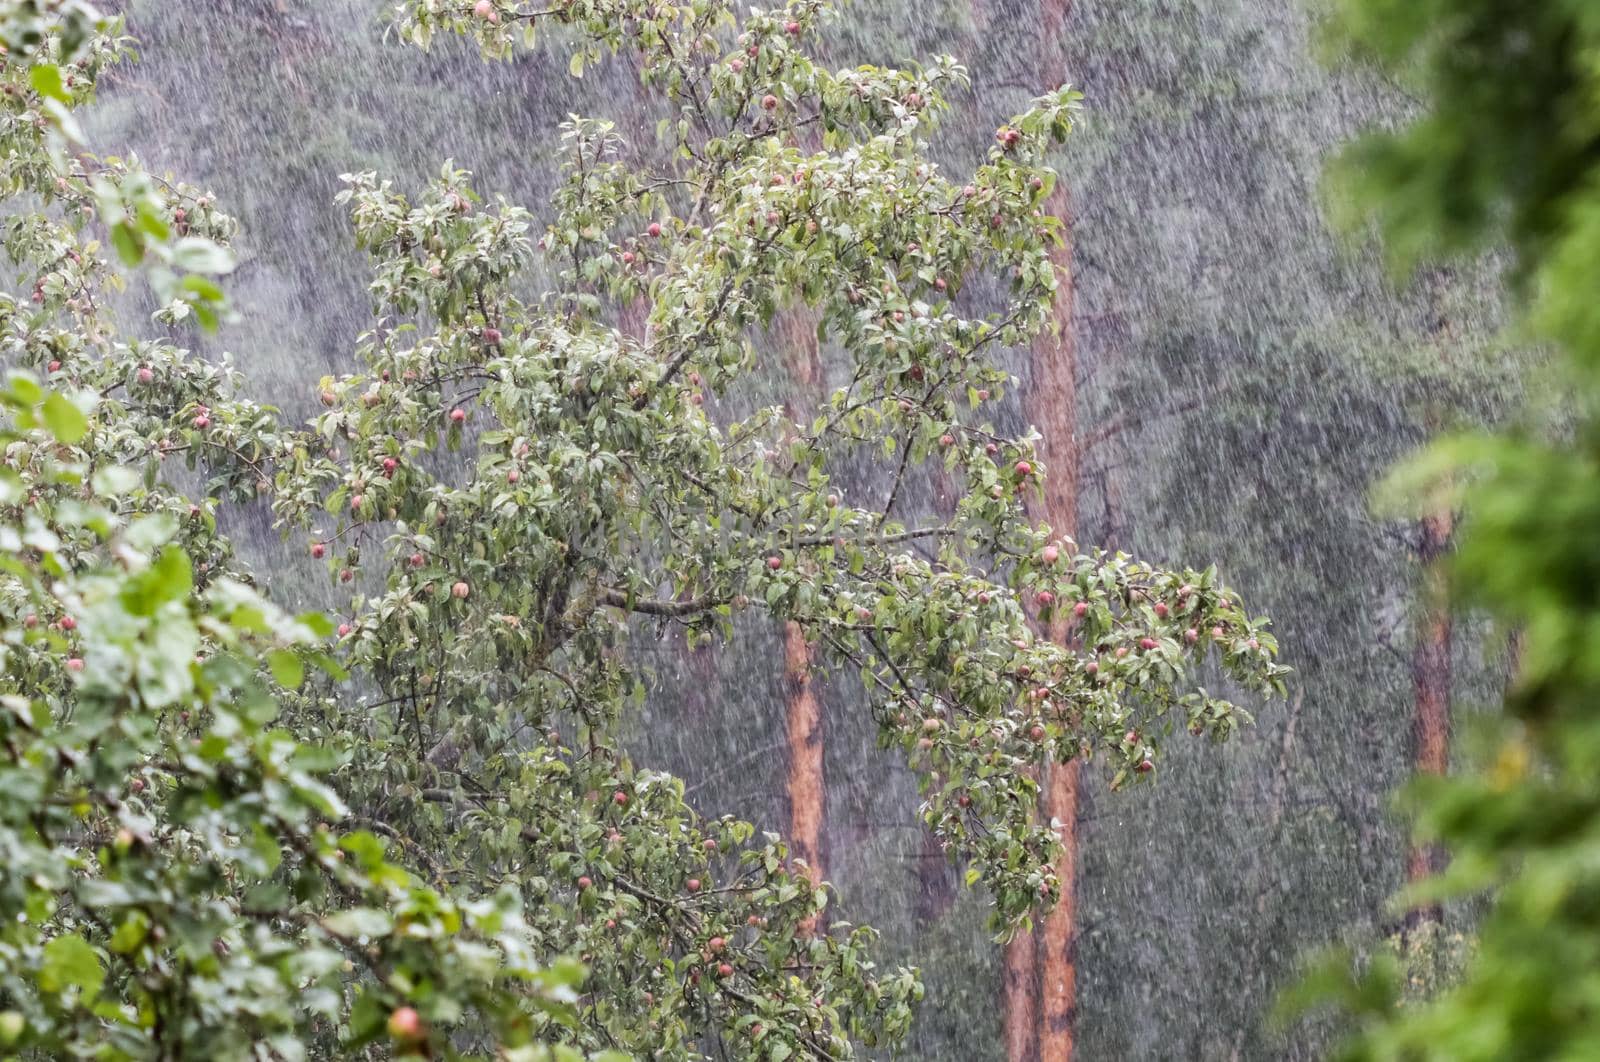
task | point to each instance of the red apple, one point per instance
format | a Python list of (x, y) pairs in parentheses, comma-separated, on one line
[(74, 664), (1024, 469), (1145, 766), (458, 415), (774, 563), (405, 1023), (418, 560), (1050, 554), (619, 798), (202, 422), (1045, 597), (136, 786), (344, 630), (491, 336), (1191, 636), (791, 28), (346, 575), (513, 476), (654, 229), (693, 884), (1147, 644), (584, 881), (68, 623), (947, 440), (724, 970), (145, 375), (769, 102), (460, 590), (716, 944)]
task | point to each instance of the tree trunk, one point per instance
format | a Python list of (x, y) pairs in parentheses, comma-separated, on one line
[(1052, 406), (1430, 678), (807, 782)]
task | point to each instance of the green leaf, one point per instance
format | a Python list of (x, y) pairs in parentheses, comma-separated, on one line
[(46, 80), (69, 962), (287, 670), (65, 420)]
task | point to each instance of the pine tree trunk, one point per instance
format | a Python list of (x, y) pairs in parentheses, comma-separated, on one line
[(1430, 677), (1053, 406), (807, 782)]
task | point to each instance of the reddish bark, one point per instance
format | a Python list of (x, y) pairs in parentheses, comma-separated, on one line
[(1430, 678), (807, 782)]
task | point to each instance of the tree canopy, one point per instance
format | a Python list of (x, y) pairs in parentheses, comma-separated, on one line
[(413, 828)]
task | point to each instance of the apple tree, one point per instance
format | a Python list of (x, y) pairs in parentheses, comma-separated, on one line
[(513, 485)]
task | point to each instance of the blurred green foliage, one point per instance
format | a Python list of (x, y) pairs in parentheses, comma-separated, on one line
[(1505, 150)]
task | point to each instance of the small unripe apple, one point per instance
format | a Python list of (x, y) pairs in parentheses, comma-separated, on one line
[(460, 590), (899, 317), (863, 614), (1217, 633), (329, 398), (932, 726), (769, 102), (1252, 643), (1091, 668), (1122, 651), (458, 415), (1036, 184)]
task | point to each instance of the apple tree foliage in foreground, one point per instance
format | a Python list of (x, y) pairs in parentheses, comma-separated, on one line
[(410, 828)]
